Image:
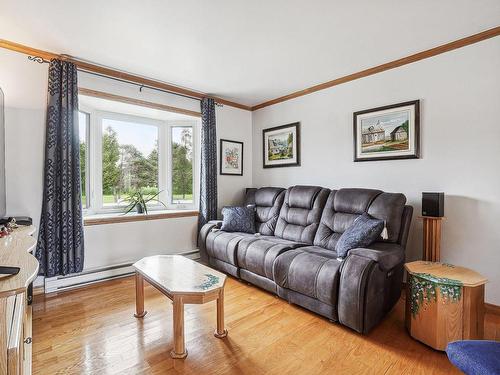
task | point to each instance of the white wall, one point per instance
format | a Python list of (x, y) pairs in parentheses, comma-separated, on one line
[(460, 124), (25, 86)]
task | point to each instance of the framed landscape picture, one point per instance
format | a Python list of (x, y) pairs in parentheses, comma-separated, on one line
[(231, 157), (387, 133), (281, 146)]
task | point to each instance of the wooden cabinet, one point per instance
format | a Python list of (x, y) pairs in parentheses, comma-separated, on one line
[(15, 313), (444, 303), (15, 334)]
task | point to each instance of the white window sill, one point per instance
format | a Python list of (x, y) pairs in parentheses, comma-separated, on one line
[(113, 218)]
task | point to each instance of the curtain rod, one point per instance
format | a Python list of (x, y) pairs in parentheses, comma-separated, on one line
[(41, 60)]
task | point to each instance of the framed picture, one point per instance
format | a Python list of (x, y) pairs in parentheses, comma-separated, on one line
[(281, 146), (387, 133), (231, 157)]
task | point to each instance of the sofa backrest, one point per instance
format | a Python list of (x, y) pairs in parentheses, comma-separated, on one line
[(343, 206), (300, 213), (268, 202)]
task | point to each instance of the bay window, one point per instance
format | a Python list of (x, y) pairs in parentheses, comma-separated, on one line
[(122, 154)]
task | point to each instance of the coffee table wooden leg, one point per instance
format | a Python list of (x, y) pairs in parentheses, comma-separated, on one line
[(139, 296), (179, 345), (220, 332)]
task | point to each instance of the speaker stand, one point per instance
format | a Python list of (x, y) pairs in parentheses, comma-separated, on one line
[(432, 238)]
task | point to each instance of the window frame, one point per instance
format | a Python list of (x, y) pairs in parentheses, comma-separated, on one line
[(94, 160), (86, 183), (195, 161)]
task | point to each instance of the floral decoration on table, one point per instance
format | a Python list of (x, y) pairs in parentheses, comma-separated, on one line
[(7, 229), (212, 280), (423, 290), (441, 264)]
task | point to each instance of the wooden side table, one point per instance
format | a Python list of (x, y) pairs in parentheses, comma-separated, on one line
[(444, 303)]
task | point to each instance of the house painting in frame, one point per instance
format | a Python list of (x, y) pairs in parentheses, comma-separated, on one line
[(281, 146), (387, 133)]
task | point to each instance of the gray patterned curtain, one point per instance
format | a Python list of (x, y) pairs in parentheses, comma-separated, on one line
[(60, 239), (208, 175)]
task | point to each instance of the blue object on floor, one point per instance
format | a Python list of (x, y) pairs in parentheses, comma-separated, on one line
[(475, 357)]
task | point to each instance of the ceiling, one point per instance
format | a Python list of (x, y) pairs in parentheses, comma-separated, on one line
[(88, 103), (245, 51)]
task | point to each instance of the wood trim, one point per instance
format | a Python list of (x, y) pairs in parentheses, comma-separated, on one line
[(95, 68), (131, 218), (142, 103), (38, 290), (492, 309), (491, 33)]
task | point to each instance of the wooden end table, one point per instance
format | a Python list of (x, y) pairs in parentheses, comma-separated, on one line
[(183, 281), (444, 303)]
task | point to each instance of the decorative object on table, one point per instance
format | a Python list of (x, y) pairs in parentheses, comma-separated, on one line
[(140, 201), (12, 224), (475, 357), (281, 146), (4, 232), (231, 158), (60, 247), (238, 219), (20, 220), (387, 133), (183, 281), (444, 303)]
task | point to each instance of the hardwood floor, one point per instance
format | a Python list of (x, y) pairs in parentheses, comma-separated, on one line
[(93, 331)]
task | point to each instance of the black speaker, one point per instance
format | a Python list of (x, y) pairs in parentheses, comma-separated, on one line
[(433, 204)]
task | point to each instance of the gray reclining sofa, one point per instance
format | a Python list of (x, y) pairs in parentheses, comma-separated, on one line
[(293, 254)]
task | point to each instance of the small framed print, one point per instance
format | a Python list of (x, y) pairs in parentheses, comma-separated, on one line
[(231, 158), (281, 146), (387, 133)]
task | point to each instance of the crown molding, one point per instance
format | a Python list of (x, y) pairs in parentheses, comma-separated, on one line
[(96, 68), (491, 33)]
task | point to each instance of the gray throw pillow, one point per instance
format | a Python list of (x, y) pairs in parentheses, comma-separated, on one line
[(238, 219), (364, 231)]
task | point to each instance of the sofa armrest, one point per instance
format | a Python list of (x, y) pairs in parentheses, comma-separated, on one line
[(386, 259), (370, 285), (202, 237), (215, 224)]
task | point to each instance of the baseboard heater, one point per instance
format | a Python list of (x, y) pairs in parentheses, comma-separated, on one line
[(96, 275)]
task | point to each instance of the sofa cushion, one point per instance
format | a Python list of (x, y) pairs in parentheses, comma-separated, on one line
[(364, 231), (238, 219), (312, 271), (257, 253), (267, 202), (389, 207), (345, 205), (223, 245), (301, 212), (354, 200)]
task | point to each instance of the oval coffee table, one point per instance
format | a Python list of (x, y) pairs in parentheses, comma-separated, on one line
[(183, 281)]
